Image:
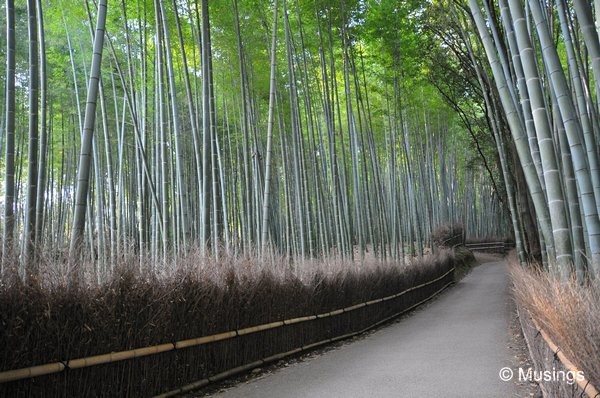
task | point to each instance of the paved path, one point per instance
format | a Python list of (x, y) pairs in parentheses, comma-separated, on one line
[(453, 347)]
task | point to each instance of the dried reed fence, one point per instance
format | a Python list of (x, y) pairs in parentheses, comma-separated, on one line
[(152, 324), (560, 322)]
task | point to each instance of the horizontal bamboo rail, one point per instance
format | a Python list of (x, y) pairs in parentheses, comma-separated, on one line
[(240, 369), (57, 367), (584, 384), (486, 246)]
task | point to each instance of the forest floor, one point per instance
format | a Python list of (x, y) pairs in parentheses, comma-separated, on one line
[(455, 346)]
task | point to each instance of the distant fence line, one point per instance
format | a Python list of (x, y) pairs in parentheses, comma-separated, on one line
[(60, 366), (483, 246)]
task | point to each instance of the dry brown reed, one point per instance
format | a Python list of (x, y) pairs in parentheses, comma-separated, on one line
[(51, 319), (567, 311), (448, 235)]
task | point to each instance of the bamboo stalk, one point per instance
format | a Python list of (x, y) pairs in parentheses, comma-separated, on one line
[(300, 319), (354, 307), (258, 328), (119, 356), (33, 371), (236, 370), (205, 340), (282, 355)]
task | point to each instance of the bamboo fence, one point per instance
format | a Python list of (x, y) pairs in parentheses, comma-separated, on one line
[(582, 382), (585, 385), (60, 366)]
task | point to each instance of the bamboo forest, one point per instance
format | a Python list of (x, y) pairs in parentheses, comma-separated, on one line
[(198, 197)]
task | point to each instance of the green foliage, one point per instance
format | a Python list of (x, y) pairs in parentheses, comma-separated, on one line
[(373, 67)]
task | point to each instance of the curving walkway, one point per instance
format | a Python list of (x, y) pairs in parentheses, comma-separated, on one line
[(453, 347)]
